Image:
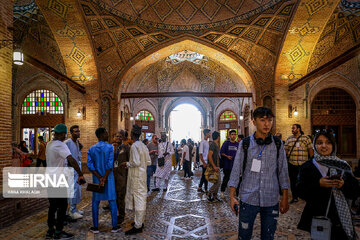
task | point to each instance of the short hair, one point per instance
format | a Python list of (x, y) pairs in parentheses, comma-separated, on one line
[(183, 141), (99, 132), (41, 138), (232, 131), (241, 136), (206, 131), (215, 135), (298, 126), (145, 141), (72, 127), (262, 112)]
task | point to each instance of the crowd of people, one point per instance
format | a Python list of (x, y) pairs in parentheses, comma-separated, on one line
[(259, 171)]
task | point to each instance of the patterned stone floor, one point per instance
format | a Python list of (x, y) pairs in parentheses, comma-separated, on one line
[(179, 213)]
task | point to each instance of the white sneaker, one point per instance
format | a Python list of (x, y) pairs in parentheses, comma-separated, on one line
[(76, 215), (80, 212), (222, 195)]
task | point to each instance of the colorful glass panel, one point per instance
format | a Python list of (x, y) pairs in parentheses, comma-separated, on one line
[(42, 102), (144, 116), (227, 116)]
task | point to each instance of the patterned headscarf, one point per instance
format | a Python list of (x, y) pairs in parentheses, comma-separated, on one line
[(336, 164)]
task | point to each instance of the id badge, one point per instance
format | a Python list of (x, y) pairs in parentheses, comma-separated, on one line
[(297, 145), (256, 165), (116, 163)]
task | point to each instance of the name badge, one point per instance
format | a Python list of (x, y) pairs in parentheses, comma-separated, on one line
[(297, 144), (256, 165)]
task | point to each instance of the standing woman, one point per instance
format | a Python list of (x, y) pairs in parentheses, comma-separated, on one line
[(323, 177), (162, 173)]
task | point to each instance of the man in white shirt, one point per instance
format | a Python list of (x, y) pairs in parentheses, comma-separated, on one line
[(186, 159), (203, 152), (57, 154)]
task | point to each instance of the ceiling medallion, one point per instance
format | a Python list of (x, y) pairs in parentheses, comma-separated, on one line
[(187, 55)]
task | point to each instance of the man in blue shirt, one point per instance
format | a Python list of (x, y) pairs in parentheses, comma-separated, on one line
[(264, 175), (228, 152), (100, 163)]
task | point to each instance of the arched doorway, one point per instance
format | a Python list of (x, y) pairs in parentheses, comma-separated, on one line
[(41, 110), (334, 108), (227, 121), (185, 123), (146, 121)]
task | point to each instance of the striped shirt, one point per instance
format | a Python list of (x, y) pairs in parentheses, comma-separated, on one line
[(300, 153), (260, 188)]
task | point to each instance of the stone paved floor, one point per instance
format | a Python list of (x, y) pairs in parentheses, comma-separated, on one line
[(180, 213)]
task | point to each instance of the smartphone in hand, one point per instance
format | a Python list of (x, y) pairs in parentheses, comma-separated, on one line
[(236, 208), (335, 177)]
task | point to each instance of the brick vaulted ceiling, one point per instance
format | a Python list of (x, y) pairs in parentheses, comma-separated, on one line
[(98, 41)]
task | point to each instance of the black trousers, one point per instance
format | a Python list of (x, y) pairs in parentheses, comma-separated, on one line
[(186, 166), (58, 206), (39, 162), (293, 174), (203, 179), (226, 178)]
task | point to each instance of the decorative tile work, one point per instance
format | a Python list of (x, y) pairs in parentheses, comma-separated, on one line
[(242, 49), (296, 54), (139, 6), (96, 26), (162, 9), (108, 69), (313, 6), (82, 78), (78, 56), (262, 21), (286, 10), (278, 24), (329, 28), (236, 31), (252, 34), (212, 36), (58, 7), (160, 37), (186, 10), (129, 49), (342, 32), (34, 32), (210, 8), (110, 23), (102, 42), (135, 32), (234, 6), (304, 30), (270, 41), (69, 32), (146, 42), (225, 41), (87, 10), (120, 35)]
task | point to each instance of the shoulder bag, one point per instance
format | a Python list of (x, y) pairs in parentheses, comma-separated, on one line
[(161, 161), (321, 225)]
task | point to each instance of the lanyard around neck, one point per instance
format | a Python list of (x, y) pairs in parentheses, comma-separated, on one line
[(259, 156)]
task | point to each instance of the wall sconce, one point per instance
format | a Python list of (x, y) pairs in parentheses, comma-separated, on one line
[(81, 112), (18, 57), (131, 118), (241, 117), (292, 110)]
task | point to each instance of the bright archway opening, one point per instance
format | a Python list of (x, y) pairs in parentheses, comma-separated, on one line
[(185, 123)]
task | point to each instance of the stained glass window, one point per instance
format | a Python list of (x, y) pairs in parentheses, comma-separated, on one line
[(227, 116), (41, 102), (144, 116)]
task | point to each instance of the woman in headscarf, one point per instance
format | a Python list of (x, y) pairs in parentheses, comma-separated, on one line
[(324, 177)]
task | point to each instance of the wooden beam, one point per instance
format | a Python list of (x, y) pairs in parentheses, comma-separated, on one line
[(185, 94), (346, 56), (54, 73)]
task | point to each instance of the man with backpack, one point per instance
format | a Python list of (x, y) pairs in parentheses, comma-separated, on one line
[(261, 168), (228, 152)]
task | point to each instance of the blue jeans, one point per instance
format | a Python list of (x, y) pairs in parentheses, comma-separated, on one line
[(151, 169), (268, 216), (95, 212)]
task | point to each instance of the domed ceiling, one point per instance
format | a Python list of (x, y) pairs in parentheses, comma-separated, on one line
[(185, 14)]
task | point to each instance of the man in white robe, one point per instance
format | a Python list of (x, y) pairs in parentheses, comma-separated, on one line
[(136, 191)]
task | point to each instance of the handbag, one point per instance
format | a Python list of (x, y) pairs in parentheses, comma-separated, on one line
[(26, 162), (95, 188), (161, 161), (321, 226), (211, 175)]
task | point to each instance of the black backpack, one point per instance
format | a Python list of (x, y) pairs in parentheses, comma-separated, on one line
[(246, 144)]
